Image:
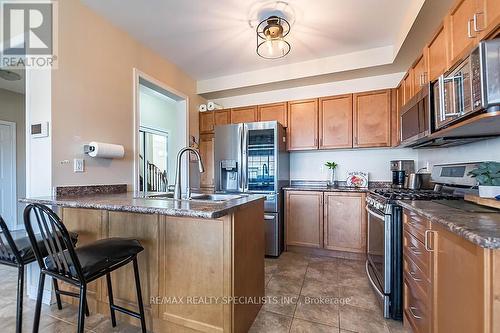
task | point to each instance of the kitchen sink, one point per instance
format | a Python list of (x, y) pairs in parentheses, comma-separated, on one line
[(198, 196)]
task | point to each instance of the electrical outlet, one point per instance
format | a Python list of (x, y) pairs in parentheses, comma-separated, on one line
[(78, 165)]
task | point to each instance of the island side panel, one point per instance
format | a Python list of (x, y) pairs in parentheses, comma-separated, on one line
[(146, 229), (248, 263), (91, 225), (196, 259)]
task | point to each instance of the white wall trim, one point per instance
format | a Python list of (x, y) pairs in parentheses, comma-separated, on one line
[(13, 189), (183, 102)]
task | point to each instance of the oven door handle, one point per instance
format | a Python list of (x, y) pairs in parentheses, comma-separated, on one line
[(374, 213), (371, 281)]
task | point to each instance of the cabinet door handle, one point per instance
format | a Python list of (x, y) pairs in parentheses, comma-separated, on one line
[(414, 276), (426, 240), (476, 29), (412, 309), (469, 30)]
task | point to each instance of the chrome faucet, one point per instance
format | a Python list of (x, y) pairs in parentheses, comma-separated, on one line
[(178, 189)]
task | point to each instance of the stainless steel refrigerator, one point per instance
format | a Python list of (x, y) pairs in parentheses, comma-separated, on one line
[(252, 158)]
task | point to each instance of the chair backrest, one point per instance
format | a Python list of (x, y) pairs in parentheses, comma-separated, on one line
[(8, 248), (54, 240)]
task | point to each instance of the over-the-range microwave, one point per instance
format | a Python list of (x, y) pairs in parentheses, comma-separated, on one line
[(471, 87)]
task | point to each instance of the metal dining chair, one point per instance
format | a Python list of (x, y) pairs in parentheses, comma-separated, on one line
[(16, 251), (82, 265)]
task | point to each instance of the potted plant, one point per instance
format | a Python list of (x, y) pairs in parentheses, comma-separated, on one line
[(332, 166), (488, 177)]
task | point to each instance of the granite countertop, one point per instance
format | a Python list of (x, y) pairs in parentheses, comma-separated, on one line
[(128, 202), (482, 229)]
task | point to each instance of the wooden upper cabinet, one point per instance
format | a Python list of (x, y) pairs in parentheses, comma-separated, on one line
[(303, 125), (344, 222), (408, 87), (372, 119), (244, 115), (396, 103), (222, 117), (304, 218), (207, 156), (491, 19), (462, 36), (275, 111), (335, 122), (437, 58), (420, 76), (206, 122)]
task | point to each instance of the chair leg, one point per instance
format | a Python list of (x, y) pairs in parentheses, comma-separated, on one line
[(58, 296), (20, 294), (139, 295), (81, 308), (38, 307), (111, 301)]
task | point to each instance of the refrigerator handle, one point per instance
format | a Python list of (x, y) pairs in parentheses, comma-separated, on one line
[(245, 158), (240, 154)]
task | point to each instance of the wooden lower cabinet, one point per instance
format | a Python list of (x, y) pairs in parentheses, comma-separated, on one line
[(450, 284), (331, 220), (344, 222), (304, 218)]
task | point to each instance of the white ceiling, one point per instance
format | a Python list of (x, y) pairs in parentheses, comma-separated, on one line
[(211, 39)]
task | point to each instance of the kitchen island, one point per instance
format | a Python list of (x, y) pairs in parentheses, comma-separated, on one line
[(203, 264)]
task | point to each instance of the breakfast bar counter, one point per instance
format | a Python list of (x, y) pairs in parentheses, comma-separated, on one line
[(203, 264)]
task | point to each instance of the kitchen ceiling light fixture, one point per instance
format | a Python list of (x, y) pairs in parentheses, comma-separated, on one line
[(271, 33)]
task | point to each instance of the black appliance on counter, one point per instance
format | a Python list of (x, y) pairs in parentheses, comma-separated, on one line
[(384, 265), (400, 170)]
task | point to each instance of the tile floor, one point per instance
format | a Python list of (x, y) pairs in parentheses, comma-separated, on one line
[(305, 294)]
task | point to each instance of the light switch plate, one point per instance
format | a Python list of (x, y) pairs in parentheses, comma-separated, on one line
[(78, 165)]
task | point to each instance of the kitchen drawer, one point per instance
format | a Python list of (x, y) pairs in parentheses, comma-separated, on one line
[(415, 225), (414, 274), (416, 251), (416, 311)]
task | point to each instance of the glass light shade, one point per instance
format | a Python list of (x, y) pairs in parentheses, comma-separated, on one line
[(273, 48)]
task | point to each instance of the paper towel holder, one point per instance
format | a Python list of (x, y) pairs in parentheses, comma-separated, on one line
[(93, 150), (87, 149)]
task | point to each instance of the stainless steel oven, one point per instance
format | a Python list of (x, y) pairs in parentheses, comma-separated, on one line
[(379, 254), (383, 265)]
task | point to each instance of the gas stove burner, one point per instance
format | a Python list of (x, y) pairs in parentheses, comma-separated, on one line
[(407, 194)]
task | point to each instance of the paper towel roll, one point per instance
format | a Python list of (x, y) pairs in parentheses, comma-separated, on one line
[(106, 150), (202, 108), (213, 106)]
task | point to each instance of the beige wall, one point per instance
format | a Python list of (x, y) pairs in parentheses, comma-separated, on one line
[(12, 109), (92, 94)]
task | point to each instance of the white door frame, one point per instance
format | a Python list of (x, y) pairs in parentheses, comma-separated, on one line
[(138, 75), (12, 125)]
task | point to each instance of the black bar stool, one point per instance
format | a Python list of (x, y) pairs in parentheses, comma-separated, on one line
[(82, 265), (16, 251)]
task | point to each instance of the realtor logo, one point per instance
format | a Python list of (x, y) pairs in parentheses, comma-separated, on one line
[(28, 33)]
